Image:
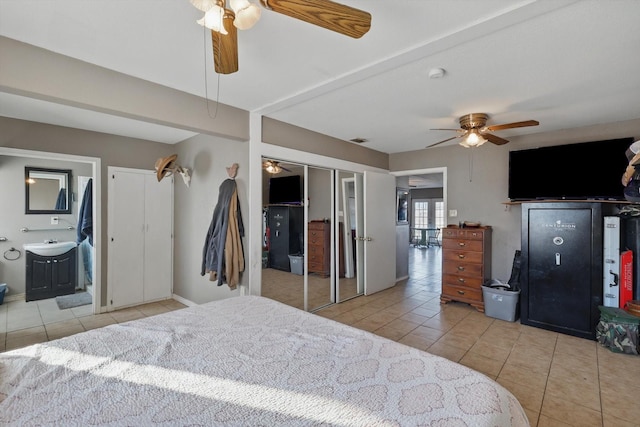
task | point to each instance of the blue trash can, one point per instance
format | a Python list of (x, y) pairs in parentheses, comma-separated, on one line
[(3, 290)]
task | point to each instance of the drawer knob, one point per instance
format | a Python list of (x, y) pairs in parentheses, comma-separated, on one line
[(460, 268), (461, 244), (461, 292), (460, 279), (461, 256)]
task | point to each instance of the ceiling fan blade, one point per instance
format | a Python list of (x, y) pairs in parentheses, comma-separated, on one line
[(494, 139), (457, 130), (444, 140), (512, 125), (225, 47), (324, 13)]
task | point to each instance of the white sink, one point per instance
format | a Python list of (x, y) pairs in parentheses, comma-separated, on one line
[(49, 249)]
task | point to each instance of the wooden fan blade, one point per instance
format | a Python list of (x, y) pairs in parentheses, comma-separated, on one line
[(457, 130), (513, 125), (324, 13), (444, 140), (494, 139), (225, 47)]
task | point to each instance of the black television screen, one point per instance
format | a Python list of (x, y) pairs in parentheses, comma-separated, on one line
[(285, 190), (583, 171)]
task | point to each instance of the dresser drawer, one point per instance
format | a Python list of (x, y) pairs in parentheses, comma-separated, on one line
[(470, 282), (463, 233), (463, 269), (467, 245), (318, 225), (316, 250), (315, 257), (317, 267), (462, 292), (466, 256)]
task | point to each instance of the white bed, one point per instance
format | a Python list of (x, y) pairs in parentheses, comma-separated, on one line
[(243, 361)]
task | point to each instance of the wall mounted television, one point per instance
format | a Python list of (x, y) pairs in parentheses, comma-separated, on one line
[(285, 190), (583, 171)]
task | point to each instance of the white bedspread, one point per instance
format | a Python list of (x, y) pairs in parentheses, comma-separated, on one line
[(243, 361)]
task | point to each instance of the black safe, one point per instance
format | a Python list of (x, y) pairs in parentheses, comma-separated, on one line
[(286, 234), (561, 275)]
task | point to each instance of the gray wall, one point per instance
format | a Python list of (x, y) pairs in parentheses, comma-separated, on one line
[(208, 157), (478, 180), (13, 217)]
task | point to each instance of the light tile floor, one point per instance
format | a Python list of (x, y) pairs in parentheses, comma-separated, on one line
[(559, 379), (24, 323)]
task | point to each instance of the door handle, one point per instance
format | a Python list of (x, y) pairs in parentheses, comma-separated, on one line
[(557, 258), (616, 280)]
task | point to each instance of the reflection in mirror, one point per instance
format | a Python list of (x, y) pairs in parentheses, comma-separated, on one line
[(320, 246), (282, 237), (47, 191), (347, 209)]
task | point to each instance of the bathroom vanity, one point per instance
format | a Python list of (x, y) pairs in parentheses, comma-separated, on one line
[(50, 272)]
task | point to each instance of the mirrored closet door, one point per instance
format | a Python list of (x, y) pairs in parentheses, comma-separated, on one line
[(310, 257)]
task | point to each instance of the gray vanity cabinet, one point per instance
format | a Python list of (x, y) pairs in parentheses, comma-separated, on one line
[(50, 276)]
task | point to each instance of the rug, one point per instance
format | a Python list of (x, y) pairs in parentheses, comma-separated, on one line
[(73, 300)]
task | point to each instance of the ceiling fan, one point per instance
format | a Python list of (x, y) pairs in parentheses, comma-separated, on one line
[(273, 167), (475, 132), (224, 17)]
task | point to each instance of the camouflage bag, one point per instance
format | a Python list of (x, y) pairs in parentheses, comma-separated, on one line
[(618, 330)]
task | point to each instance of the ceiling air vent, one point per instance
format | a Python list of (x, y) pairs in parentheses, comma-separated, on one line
[(359, 140)]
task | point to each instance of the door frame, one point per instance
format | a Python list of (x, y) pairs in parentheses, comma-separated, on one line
[(257, 151), (95, 163)]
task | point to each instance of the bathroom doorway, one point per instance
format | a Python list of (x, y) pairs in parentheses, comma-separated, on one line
[(19, 228)]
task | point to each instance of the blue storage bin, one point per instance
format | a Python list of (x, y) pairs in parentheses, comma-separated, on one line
[(3, 290)]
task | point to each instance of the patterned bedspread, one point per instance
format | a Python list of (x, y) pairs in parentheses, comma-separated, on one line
[(243, 361)]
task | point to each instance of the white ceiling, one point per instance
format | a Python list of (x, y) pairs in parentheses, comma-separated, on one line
[(564, 63)]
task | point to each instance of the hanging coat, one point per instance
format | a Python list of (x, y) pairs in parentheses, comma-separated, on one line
[(213, 253)]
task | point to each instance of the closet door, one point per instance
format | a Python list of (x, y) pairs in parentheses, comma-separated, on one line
[(158, 245), (126, 238), (140, 237)]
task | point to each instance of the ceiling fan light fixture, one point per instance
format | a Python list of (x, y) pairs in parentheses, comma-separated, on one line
[(204, 5), (473, 139), (273, 168), (212, 19), (247, 14)]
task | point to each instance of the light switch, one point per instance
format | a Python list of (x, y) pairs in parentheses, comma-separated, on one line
[(54, 220), (453, 212)]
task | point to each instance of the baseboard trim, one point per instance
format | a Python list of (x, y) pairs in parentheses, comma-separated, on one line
[(15, 297), (183, 300)]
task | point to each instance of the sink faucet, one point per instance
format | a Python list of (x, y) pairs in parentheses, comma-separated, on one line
[(51, 241)]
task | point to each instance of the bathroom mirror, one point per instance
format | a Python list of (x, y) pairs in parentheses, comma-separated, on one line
[(47, 191)]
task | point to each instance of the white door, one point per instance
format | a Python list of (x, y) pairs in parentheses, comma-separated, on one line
[(379, 231), (126, 238), (140, 237), (158, 253)]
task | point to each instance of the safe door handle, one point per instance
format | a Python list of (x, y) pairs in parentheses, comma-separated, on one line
[(616, 279), (557, 258)]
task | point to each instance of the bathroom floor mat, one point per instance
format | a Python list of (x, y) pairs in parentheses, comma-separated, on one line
[(73, 300)]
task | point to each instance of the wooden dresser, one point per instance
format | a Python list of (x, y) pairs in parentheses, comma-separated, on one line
[(466, 264), (318, 249)]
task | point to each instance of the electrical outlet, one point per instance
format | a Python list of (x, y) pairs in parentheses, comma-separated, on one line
[(54, 220), (453, 212)]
